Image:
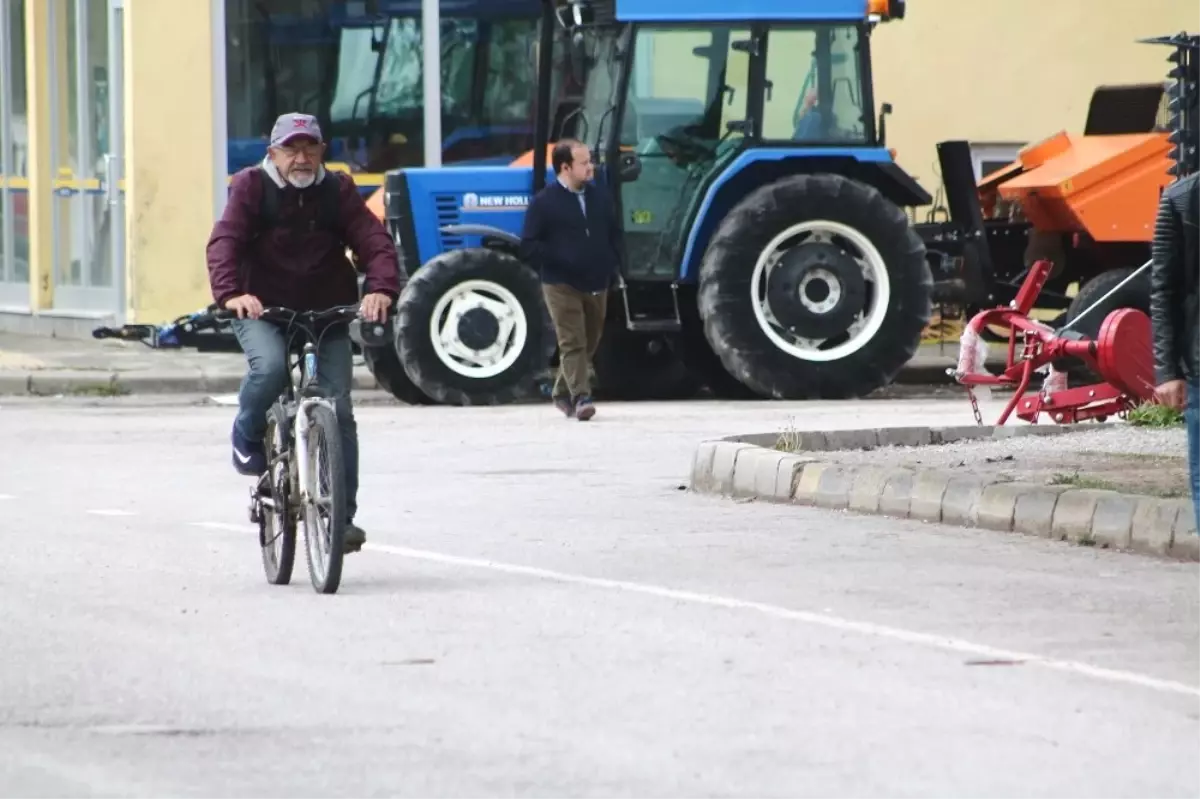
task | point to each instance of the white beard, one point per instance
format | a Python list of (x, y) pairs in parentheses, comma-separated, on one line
[(302, 181)]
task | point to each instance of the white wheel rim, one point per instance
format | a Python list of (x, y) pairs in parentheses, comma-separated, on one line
[(866, 324), (502, 353)]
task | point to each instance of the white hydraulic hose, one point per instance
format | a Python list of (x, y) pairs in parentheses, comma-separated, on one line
[(1114, 290)]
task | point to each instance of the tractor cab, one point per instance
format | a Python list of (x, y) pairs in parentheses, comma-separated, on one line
[(673, 104)]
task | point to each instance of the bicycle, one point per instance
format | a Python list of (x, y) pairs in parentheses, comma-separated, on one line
[(299, 487)]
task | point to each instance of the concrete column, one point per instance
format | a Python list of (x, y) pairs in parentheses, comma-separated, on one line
[(40, 41), (170, 181)]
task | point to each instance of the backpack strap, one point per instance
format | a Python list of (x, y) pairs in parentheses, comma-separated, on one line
[(331, 202)]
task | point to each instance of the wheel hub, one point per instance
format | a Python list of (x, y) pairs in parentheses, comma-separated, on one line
[(816, 290), (478, 329)]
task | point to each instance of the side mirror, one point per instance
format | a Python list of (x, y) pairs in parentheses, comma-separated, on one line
[(629, 167)]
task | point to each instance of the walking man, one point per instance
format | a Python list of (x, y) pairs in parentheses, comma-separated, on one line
[(1174, 301), (572, 238)]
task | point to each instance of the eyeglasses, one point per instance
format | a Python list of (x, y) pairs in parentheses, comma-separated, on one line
[(292, 150)]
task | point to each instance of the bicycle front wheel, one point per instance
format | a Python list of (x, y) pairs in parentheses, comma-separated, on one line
[(325, 509)]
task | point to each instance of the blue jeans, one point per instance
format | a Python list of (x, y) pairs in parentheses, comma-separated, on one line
[(265, 346), (1192, 416)]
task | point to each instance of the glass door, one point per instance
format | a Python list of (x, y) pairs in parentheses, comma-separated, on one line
[(14, 187), (88, 212)]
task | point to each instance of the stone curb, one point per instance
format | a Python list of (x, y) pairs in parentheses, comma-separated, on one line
[(50, 383), (748, 467)]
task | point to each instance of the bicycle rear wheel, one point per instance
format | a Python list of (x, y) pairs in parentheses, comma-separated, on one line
[(277, 522), (325, 509)]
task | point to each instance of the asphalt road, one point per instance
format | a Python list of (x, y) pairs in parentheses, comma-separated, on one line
[(542, 611)]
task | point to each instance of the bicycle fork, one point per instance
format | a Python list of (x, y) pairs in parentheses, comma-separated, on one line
[(303, 424)]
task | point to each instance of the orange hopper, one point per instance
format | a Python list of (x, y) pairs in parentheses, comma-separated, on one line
[(1105, 186)]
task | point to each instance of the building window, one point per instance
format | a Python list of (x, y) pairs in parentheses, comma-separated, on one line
[(988, 157)]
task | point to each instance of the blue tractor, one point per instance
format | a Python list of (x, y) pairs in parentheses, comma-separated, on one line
[(767, 249)]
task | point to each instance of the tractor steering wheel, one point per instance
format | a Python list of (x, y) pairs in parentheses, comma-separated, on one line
[(684, 149)]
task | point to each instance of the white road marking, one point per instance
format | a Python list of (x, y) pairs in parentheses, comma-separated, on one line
[(820, 619), (237, 528), (112, 512)]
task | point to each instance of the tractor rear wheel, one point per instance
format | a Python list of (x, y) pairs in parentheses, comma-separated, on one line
[(815, 287), (472, 329)]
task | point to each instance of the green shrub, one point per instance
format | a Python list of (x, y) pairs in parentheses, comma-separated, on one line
[(1150, 414)]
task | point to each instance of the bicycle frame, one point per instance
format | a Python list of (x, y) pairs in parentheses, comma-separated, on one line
[(298, 400)]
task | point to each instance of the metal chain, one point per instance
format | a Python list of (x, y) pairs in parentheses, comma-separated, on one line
[(975, 406)]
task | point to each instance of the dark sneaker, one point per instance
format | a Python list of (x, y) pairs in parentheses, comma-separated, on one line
[(584, 409), (249, 457), (565, 405), (355, 538)]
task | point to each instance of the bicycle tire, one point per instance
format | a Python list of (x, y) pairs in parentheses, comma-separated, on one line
[(325, 568), (278, 560)]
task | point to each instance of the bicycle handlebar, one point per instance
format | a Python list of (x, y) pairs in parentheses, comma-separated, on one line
[(277, 313)]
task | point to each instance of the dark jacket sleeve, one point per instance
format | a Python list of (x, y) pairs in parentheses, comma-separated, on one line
[(1166, 289), (231, 235), (533, 233), (368, 238)]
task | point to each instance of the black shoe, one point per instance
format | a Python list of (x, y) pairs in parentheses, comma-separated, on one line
[(584, 409), (565, 405), (355, 538)]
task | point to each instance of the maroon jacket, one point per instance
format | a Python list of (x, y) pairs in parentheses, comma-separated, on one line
[(297, 264)]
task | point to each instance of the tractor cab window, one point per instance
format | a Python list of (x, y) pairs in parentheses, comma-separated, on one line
[(684, 117), (488, 80), (358, 68), (814, 87), (599, 59), (687, 88)]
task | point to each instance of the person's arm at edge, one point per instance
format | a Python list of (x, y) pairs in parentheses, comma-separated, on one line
[(1165, 277)]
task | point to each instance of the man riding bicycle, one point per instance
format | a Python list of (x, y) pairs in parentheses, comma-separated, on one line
[(282, 242)]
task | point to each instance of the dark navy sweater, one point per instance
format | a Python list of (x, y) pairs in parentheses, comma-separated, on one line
[(565, 246)]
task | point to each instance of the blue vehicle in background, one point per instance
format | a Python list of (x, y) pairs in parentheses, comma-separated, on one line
[(767, 250), (357, 66)]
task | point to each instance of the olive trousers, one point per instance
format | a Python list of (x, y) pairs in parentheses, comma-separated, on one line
[(578, 318)]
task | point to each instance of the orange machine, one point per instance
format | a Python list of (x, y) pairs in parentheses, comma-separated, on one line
[(1104, 183)]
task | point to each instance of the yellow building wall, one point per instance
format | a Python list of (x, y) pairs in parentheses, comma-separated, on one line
[(169, 177), (1014, 71)]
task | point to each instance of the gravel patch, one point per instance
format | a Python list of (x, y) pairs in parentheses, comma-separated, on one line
[(1116, 456)]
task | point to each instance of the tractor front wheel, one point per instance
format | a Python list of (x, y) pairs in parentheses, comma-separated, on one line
[(472, 329), (815, 287), (384, 365)]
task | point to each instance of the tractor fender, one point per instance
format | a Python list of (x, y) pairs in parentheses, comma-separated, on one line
[(493, 237), (485, 231)]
